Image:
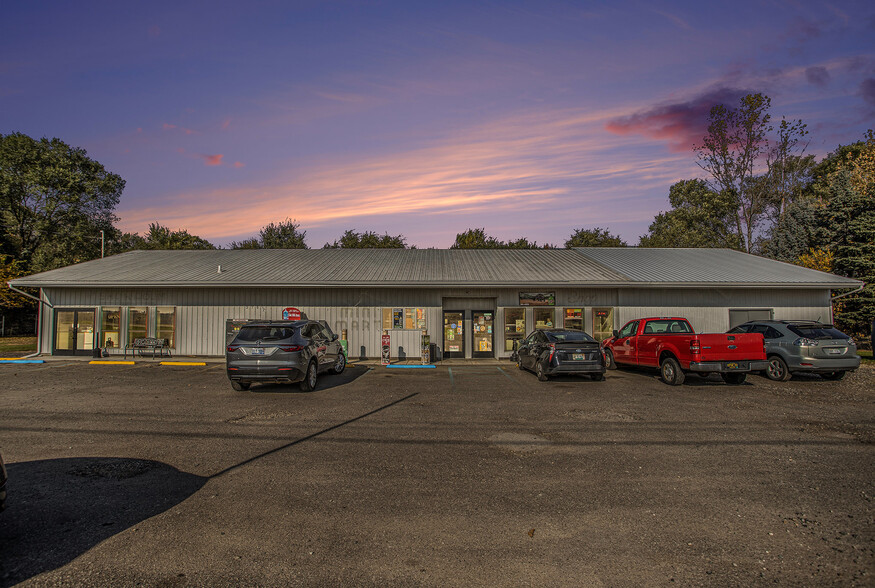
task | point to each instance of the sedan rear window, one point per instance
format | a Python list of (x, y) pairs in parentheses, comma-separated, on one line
[(818, 332), (568, 336), (265, 333)]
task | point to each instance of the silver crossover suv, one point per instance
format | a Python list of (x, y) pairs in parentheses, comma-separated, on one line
[(283, 351), (804, 346)]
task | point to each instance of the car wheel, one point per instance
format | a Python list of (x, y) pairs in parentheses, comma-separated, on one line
[(833, 375), (597, 377), (519, 363), (240, 386), (777, 370), (309, 382), (671, 372), (734, 379), (609, 360), (541, 372), (339, 365)]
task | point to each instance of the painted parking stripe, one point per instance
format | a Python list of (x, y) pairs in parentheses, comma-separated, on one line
[(21, 361), (183, 363), (110, 362)]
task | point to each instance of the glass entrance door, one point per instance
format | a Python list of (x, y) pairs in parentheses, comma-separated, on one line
[(454, 333), (74, 331), (483, 333)]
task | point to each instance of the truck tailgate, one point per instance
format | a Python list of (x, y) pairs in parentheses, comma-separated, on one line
[(723, 347)]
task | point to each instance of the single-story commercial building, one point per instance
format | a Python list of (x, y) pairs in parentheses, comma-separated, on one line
[(471, 303)]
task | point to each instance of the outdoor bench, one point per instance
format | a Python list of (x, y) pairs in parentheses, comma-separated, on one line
[(159, 346)]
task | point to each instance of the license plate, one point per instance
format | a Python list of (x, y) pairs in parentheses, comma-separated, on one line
[(256, 351), (834, 351), (734, 365), (578, 356)]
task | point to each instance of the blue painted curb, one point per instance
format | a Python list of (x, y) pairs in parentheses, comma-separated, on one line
[(21, 361), (410, 367)]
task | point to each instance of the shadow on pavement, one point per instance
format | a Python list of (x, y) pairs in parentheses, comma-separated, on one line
[(58, 509), (325, 381)]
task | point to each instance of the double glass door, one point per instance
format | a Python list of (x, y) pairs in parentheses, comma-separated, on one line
[(74, 331)]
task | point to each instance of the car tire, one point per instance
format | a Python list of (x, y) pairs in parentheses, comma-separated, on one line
[(833, 375), (240, 386), (597, 377), (308, 384), (519, 364), (734, 379), (777, 371), (541, 372), (339, 365), (609, 360), (671, 372)]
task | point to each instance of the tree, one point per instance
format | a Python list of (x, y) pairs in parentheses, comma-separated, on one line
[(475, 239), (802, 226), (282, 235), (523, 243), (368, 240), (9, 270), (788, 173), (54, 201), (737, 141), (851, 219), (163, 238), (700, 217), (596, 237)]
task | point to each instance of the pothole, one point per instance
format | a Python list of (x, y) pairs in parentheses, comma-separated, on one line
[(116, 469)]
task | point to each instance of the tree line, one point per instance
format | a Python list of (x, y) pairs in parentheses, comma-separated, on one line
[(761, 194)]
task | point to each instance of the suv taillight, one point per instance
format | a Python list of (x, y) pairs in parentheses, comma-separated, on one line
[(805, 342), (552, 351), (233, 348), (290, 347)]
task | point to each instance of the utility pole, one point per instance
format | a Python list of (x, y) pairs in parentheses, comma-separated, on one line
[(101, 244)]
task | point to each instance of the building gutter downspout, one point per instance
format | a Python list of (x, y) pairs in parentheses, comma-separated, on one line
[(847, 293), (40, 316)]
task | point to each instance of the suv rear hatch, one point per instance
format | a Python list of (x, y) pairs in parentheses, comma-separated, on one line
[(823, 341)]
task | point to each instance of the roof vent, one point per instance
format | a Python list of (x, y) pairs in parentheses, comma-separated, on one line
[(220, 270)]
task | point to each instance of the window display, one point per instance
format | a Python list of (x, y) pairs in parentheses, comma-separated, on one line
[(574, 318), (166, 327), (544, 318), (138, 323), (514, 326), (110, 326)]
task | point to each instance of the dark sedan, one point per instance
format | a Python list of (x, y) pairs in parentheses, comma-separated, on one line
[(549, 352), (284, 352)]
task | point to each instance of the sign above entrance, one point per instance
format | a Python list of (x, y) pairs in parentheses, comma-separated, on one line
[(537, 299), (291, 314)]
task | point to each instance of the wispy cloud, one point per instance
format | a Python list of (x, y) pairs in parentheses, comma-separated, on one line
[(680, 124), (212, 160)]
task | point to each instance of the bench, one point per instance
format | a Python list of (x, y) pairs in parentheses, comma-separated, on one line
[(159, 346)]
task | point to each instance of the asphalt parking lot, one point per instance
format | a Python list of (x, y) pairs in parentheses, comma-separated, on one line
[(465, 475)]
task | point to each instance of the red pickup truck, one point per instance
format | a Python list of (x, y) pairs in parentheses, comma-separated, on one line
[(669, 343)]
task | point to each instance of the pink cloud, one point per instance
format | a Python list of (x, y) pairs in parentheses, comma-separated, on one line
[(167, 126), (226, 123), (239, 164), (680, 124), (212, 160)]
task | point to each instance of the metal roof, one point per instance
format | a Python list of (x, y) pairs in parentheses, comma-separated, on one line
[(433, 267), (708, 267)]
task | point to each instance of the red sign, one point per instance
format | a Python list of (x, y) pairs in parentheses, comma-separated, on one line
[(291, 314)]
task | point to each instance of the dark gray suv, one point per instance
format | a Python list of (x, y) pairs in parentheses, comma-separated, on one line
[(284, 352), (804, 346)]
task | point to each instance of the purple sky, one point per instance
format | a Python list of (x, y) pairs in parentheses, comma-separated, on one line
[(421, 118)]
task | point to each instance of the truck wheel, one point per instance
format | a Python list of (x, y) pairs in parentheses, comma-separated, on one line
[(734, 379), (541, 372), (833, 375), (778, 370), (309, 382), (240, 386), (609, 360), (671, 372)]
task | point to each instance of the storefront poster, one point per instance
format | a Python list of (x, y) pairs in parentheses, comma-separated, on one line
[(537, 299)]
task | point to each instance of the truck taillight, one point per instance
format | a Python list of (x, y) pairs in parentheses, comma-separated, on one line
[(694, 346)]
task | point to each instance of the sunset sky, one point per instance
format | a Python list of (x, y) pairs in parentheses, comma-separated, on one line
[(420, 118)]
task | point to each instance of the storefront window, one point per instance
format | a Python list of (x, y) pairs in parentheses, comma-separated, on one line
[(574, 318), (403, 318), (514, 326), (110, 326), (602, 323), (137, 323), (543, 318), (166, 327)]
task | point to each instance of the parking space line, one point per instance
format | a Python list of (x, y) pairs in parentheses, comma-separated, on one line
[(452, 382)]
